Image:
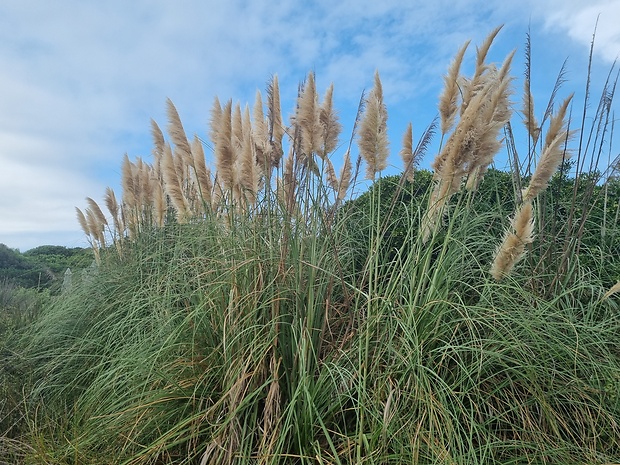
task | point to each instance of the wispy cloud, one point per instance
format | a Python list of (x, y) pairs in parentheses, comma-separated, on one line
[(577, 19)]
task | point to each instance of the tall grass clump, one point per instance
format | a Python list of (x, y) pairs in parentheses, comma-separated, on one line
[(255, 313)]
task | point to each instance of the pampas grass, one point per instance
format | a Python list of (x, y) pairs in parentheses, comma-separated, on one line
[(224, 152), (177, 134), (260, 135), (203, 174), (276, 127), (346, 174), (307, 119), (406, 153), (512, 248), (373, 141), (173, 187), (449, 97), (256, 317), (553, 153), (474, 142), (329, 124), (113, 208)]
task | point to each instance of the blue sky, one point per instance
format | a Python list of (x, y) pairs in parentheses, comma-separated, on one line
[(79, 81)]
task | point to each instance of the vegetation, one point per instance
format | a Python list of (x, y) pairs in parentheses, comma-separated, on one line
[(42, 267), (253, 315)]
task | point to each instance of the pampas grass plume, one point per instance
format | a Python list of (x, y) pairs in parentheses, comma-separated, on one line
[(552, 154), (177, 134), (129, 191), (372, 140), (203, 176), (406, 153), (224, 153), (345, 176), (328, 119), (101, 219), (274, 116), (82, 220), (512, 248), (449, 97), (307, 119), (173, 187)]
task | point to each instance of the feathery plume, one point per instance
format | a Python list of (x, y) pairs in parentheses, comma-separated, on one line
[(99, 216), (481, 68), (260, 135), (406, 153), (288, 184), (202, 172), (95, 226), (159, 203), (83, 223), (144, 180), (173, 186), (307, 117), (372, 140), (112, 205), (224, 153), (214, 122), (330, 126), (136, 170), (483, 50), (552, 154), (530, 122), (237, 130), (330, 174), (246, 161), (129, 191), (177, 134), (345, 176), (158, 145), (449, 97), (512, 248), (274, 116)]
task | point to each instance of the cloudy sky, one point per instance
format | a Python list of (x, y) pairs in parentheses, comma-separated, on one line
[(80, 80)]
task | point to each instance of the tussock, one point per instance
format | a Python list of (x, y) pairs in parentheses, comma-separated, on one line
[(287, 326)]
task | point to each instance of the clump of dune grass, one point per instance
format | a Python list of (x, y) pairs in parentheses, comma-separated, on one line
[(246, 313)]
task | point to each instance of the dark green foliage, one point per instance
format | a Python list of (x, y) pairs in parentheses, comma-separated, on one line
[(573, 215), (42, 267)]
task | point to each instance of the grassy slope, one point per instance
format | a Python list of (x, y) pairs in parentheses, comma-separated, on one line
[(288, 335), (228, 346)]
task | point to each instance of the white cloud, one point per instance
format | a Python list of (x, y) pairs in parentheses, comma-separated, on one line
[(39, 199), (578, 20)]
